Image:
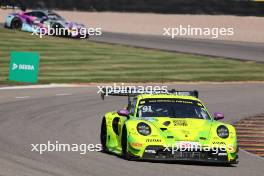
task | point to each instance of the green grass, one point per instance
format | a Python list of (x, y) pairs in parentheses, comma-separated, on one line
[(80, 61)]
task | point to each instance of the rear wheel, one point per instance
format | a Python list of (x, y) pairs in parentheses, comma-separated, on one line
[(103, 135), (16, 24), (125, 153)]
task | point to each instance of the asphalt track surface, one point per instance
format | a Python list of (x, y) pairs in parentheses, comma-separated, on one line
[(228, 49), (73, 115), (246, 51)]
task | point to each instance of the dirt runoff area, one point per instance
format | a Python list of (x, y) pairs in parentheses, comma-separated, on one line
[(249, 29)]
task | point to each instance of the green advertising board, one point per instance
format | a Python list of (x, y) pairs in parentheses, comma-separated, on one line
[(24, 67)]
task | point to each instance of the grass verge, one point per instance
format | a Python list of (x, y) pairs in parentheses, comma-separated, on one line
[(82, 61)]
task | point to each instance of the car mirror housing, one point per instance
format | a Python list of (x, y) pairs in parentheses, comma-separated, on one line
[(218, 116), (123, 112)]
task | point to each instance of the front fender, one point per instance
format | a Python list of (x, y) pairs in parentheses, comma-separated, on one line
[(9, 19), (230, 143), (137, 142)]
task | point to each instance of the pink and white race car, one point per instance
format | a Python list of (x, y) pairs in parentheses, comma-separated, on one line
[(45, 22)]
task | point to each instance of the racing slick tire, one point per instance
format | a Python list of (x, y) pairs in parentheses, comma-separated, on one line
[(103, 136), (58, 27), (16, 24), (125, 153)]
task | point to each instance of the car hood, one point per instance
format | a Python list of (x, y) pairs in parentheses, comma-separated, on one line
[(182, 129)]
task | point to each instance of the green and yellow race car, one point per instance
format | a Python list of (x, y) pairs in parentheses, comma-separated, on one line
[(171, 126)]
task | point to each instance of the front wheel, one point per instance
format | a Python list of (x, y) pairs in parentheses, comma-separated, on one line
[(16, 24), (103, 135), (59, 30), (125, 153)]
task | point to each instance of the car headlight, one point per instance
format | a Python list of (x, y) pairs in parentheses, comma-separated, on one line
[(143, 129), (222, 131)]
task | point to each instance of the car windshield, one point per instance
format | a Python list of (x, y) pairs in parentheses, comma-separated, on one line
[(54, 16), (174, 108)]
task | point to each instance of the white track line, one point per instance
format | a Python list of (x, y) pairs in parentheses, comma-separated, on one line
[(41, 86), (63, 94), (22, 97)]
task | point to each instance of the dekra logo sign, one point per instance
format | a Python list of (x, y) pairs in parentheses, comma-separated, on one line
[(23, 67)]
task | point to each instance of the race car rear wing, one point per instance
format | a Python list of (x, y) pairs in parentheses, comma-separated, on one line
[(135, 92)]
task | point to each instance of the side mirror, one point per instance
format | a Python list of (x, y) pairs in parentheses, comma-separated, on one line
[(123, 112), (218, 116)]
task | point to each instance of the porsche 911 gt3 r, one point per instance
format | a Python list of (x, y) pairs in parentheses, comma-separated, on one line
[(36, 20), (174, 126)]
